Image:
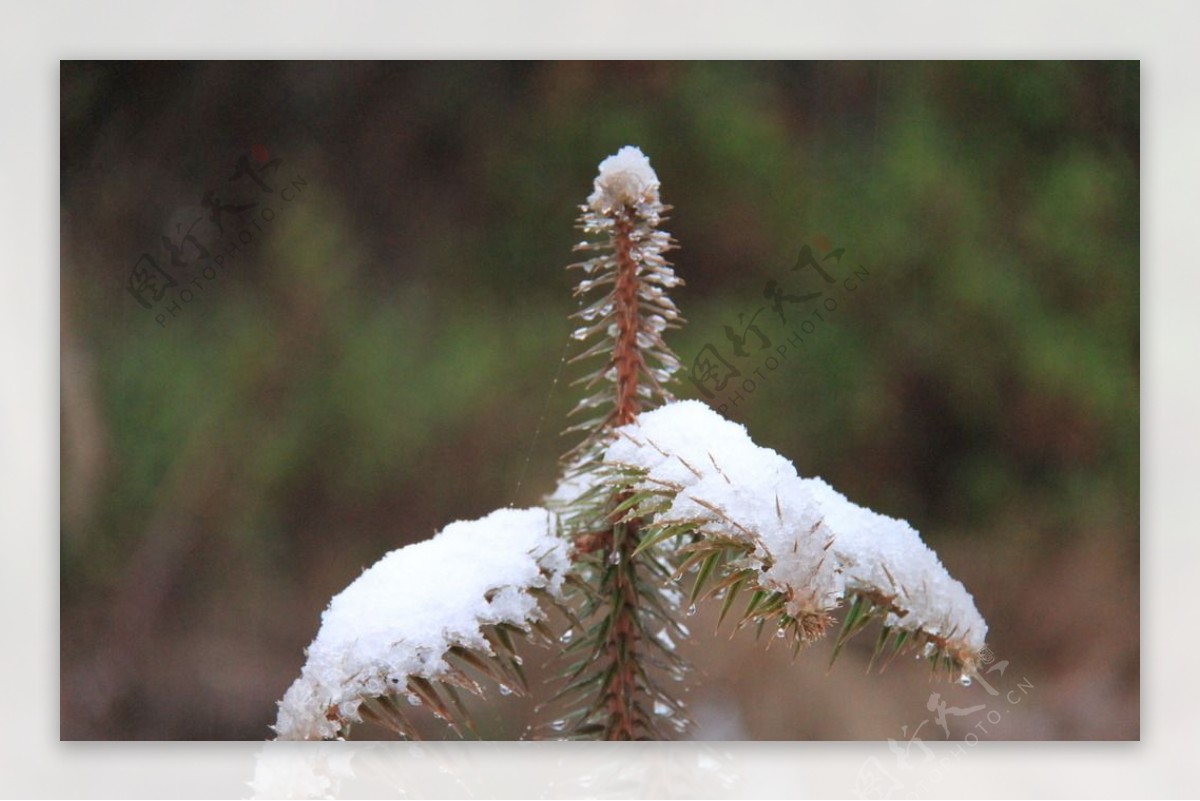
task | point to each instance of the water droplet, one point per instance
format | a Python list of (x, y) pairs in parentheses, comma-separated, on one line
[(518, 659), (683, 630), (614, 558), (580, 333), (662, 376), (673, 597), (691, 610), (965, 681), (781, 632), (558, 725), (664, 639), (930, 648), (505, 689), (566, 636), (412, 699), (586, 284), (661, 709)]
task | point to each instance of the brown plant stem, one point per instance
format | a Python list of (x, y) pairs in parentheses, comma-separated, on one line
[(621, 644), (621, 692), (627, 356)]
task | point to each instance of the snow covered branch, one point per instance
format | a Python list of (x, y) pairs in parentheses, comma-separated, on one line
[(795, 540), (419, 616)]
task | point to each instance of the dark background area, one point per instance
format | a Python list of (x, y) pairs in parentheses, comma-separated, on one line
[(379, 359)]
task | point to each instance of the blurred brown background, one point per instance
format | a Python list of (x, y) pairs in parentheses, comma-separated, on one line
[(376, 359)]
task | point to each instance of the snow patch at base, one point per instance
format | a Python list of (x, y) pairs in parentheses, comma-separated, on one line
[(401, 616)]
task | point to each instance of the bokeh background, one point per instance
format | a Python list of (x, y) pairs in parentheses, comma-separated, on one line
[(384, 356)]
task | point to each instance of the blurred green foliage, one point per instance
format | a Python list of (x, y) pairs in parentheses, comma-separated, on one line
[(383, 359)]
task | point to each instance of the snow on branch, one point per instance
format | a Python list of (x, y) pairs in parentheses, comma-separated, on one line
[(803, 542), (394, 630)]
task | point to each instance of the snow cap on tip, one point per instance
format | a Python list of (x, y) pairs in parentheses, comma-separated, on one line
[(624, 178)]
